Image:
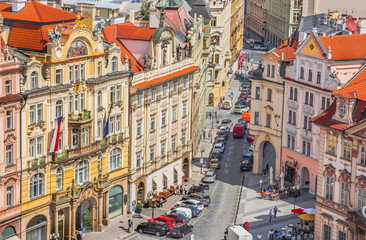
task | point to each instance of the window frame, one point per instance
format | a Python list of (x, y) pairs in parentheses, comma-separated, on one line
[(332, 144), (34, 80), (9, 154), (9, 196), (347, 146), (344, 193), (115, 159), (59, 179), (36, 185), (82, 167), (329, 188), (8, 87), (9, 119), (58, 77)]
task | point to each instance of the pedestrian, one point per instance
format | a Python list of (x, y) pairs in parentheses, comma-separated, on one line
[(267, 167), (177, 190), (78, 236), (204, 134), (259, 236), (185, 189), (129, 225), (216, 114), (181, 190), (275, 212), (270, 214), (210, 115), (160, 202), (260, 184)]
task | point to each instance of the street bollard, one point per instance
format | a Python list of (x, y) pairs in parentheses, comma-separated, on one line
[(191, 237)]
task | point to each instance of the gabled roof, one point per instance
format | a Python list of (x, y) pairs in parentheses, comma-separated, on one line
[(201, 8), (346, 46), (130, 31), (355, 87), (166, 77), (37, 13), (285, 52), (325, 118)]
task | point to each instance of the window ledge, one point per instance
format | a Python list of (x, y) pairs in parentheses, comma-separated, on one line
[(38, 197), (332, 154), (10, 165), (9, 130), (345, 159)]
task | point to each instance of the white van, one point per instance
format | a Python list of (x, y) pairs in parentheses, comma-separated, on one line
[(181, 210), (238, 233)]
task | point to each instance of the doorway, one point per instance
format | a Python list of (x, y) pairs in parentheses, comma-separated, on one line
[(115, 201), (84, 216), (305, 178), (140, 192)]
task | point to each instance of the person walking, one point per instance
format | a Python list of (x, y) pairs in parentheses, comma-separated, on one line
[(185, 190), (129, 225), (260, 184), (181, 189), (267, 167), (210, 115), (177, 190), (204, 134), (275, 212), (78, 236), (259, 236), (216, 114), (160, 202), (270, 214)]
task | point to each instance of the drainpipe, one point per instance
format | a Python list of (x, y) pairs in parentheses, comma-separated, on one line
[(130, 78)]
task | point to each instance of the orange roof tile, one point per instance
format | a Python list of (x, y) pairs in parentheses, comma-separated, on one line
[(109, 33), (284, 52), (355, 87), (130, 31), (325, 118), (36, 12), (166, 77)]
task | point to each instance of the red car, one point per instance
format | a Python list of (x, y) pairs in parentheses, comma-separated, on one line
[(166, 220)]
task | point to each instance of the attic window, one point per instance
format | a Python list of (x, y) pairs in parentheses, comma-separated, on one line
[(342, 109)]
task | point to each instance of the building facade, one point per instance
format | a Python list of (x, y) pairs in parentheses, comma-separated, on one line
[(356, 8), (341, 186), (255, 16), (236, 28), (266, 104), (10, 137), (319, 68)]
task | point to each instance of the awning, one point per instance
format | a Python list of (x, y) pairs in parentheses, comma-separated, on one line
[(179, 170), (290, 164)]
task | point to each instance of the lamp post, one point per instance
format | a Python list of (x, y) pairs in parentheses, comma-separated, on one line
[(295, 196), (153, 206), (212, 124), (54, 236), (202, 151)]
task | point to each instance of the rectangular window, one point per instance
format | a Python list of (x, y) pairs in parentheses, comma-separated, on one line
[(71, 74), (100, 68), (153, 94), (163, 149), (163, 118), (347, 149), (173, 144), (99, 129), (268, 70), (363, 155), (140, 98), (82, 71), (165, 90), (58, 76), (39, 146), (332, 144), (9, 154), (32, 116), (8, 87), (139, 129), (9, 120), (344, 193), (185, 82), (112, 95), (118, 123), (217, 57), (31, 147), (174, 117), (329, 184), (111, 125), (318, 77), (76, 71), (361, 200), (9, 196), (71, 105), (256, 118), (184, 112), (82, 101), (183, 138), (257, 92), (209, 75), (138, 160), (310, 76), (75, 137), (118, 94), (85, 136), (322, 107), (307, 123), (60, 142), (76, 103), (152, 153), (269, 95), (268, 120), (295, 94), (306, 147), (342, 235), (175, 86), (291, 141), (302, 73), (292, 117), (39, 112), (273, 71), (213, 22), (326, 232), (152, 122), (311, 99)]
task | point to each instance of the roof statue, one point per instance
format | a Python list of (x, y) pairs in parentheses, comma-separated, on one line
[(162, 17), (98, 28), (79, 23), (55, 35)]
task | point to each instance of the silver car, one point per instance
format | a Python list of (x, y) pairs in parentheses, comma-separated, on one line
[(219, 147), (209, 177)]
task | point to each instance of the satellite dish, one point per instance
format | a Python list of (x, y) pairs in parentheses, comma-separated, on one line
[(351, 25)]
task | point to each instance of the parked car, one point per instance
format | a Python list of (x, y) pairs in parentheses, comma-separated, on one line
[(153, 227), (243, 95), (226, 105), (219, 147), (260, 47), (194, 210), (226, 122), (237, 109), (251, 149), (180, 231), (247, 156), (214, 163), (205, 199), (222, 133), (221, 140), (216, 154), (184, 211), (246, 165), (164, 219), (196, 189), (179, 218), (224, 128), (209, 177), (196, 203), (238, 130), (254, 42)]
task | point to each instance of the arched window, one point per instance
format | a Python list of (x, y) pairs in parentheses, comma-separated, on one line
[(99, 162), (82, 172), (36, 186), (115, 159), (34, 80), (36, 228), (7, 233), (58, 108), (114, 64), (99, 99), (59, 179)]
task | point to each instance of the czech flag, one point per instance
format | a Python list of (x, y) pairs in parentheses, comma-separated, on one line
[(56, 136)]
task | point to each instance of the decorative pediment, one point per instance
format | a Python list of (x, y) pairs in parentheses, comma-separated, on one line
[(10, 181), (344, 176), (77, 88), (311, 49), (329, 170), (10, 138), (361, 182)]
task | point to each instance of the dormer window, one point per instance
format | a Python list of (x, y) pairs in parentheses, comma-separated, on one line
[(34, 80), (342, 109), (114, 64)]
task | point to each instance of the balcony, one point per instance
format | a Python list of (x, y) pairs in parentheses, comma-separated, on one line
[(356, 220), (36, 162), (82, 117)]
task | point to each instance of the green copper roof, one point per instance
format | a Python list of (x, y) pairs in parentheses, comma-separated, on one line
[(169, 4)]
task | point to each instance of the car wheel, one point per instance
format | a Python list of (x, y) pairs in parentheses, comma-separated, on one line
[(141, 231), (157, 234)]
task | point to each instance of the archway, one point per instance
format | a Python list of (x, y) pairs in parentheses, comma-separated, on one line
[(115, 201), (8, 232), (84, 215), (266, 157), (210, 99), (37, 228), (305, 178), (290, 172), (185, 168), (140, 192)]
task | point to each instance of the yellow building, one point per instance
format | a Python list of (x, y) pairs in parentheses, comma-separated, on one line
[(236, 28), (69, 72)]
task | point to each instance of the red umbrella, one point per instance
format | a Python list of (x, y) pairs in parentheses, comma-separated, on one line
[(298, 211), (250, 139)]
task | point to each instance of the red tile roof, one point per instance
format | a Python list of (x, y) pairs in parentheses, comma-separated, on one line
[(130, 31), (355, 87), (36, 12), (109, 33), (284, 52), (166, 77), (325, 118)]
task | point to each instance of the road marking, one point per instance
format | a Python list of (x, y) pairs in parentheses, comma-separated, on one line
[(237, 201)]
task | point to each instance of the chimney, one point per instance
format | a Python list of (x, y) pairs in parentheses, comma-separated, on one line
[(132, 16), (329, 53), (17, 5)]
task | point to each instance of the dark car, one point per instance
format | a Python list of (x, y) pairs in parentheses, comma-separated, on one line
[(179, 218), (245, 165), (247, 156), (226, 122), (221, 140), (216, 154), (205, 199), (180, 230), (196, 189), (222, 133), (154, 227)]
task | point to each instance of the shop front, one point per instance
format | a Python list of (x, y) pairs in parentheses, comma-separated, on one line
[(115, 201), (290, 172)]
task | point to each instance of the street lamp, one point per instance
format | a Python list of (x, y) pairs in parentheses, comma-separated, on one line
[(153, 206), (54, 236), (295, 196), (202, 151)]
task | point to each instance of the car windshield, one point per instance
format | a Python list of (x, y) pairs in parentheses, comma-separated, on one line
[(214, 161), (209, 175), (225, 121), (218, 146)]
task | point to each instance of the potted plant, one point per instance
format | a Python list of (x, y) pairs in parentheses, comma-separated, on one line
[(149, 202), (139, 207)]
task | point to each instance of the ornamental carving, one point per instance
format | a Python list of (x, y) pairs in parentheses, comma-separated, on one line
[(361, 182), (344, 176), (328, 203), (343, 209), (308, 110), (329, 171), (292, 104)]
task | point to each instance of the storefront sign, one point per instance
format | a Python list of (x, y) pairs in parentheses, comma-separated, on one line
[(290, 164)]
